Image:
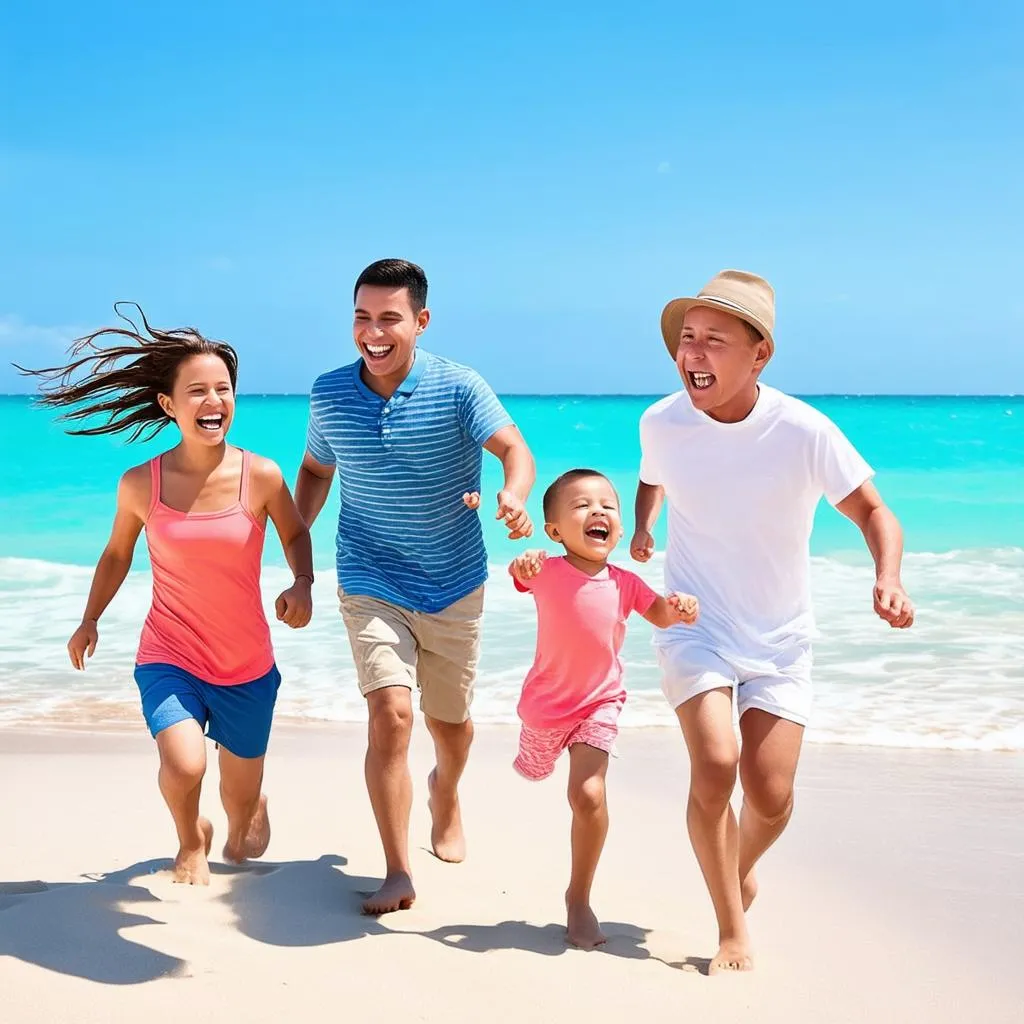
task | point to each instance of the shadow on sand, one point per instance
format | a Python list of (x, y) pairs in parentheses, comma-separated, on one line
[(75, 928)]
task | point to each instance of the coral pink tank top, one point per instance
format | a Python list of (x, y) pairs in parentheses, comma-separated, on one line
[(207, 613)]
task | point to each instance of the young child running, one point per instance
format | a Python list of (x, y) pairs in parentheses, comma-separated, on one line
[(573, 693), (205, 660)]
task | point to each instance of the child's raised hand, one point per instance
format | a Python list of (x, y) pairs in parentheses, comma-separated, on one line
[(83, 642), (683, 608), (472, 500), (527, 565)]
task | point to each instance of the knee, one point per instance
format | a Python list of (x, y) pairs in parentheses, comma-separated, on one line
[(770, 797), (390, 728), (587, 797), (713, 778), (184, 769)]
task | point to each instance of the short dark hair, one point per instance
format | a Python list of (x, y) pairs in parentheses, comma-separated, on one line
[(755, 335), (396, 274), (551, 494)]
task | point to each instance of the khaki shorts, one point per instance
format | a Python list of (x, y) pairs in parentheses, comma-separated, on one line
[(437, 652)]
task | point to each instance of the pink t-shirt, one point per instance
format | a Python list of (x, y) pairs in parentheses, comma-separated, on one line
[(581, 623)]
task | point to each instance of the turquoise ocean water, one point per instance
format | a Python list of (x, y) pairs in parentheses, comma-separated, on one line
[(952, 468)]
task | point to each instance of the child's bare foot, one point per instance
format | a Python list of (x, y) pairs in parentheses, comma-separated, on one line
[(256, 839), (191, 866), (396, 893), (583, 927), (446, 835), (748, 889), (732, 955)]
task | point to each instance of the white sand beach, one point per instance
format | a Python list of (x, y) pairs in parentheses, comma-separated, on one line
[(896, 895)]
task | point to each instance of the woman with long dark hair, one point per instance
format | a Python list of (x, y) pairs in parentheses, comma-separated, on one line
[(205, 661)]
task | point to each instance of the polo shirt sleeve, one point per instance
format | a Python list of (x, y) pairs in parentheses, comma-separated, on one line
[(481, 413), (839, 467), (649, 472), (316, 441)]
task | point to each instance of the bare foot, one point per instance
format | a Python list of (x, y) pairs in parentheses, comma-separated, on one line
[(191, 866), (748, 889), (396, 893), (256, 840), (733, 955), (583, 927), (446, 836)]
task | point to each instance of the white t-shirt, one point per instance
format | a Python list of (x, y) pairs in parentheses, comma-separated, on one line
[(741, 499)]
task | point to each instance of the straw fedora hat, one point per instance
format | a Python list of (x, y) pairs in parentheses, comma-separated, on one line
[(745, 295)]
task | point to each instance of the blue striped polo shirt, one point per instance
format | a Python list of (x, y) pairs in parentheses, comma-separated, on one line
[(404, 534)]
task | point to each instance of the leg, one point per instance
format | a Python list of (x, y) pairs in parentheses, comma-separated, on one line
[(182, 748), (390, 787), (451, 748), (384, 651), (706, 721), (771, 749), (587, 769), (240, 721), (241, 782), (449, 647)]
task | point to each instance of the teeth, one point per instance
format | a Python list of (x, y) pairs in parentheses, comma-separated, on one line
[(378, 350), (702, 380)]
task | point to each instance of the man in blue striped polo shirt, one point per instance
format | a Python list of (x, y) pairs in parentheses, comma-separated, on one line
[(405, 430)]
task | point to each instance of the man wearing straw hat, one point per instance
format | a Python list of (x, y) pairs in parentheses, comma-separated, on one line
[(743, 467)]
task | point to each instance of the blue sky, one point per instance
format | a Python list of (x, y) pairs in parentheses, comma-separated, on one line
[(560, 171)]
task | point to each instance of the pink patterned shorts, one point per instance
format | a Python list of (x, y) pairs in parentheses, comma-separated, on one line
[(539, 749)]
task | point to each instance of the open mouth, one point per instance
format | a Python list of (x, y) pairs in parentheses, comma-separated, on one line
[(378, 351), (210, 423), (700, 381), (597, 532)]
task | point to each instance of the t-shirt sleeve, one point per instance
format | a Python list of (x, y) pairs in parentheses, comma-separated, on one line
[(481, 412), (639, 596), (316, 441), (649, 472), (840, 468)]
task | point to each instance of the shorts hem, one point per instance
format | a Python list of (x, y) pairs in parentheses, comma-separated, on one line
[(775, 712), (384, 684)]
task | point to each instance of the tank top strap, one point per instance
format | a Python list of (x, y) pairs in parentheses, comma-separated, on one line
[(154, 485), (243, 490)]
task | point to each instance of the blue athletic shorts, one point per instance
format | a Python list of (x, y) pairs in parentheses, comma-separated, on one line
[(236, 717)]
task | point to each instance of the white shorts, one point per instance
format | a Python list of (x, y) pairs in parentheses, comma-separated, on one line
[(689, 669)]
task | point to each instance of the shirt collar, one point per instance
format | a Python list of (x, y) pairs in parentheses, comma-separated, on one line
[(406, 388)]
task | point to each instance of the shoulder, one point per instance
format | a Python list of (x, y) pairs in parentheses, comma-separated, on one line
[(334, 382), (263, 471), (798, 414), (624, 578), (671, 409), (450, 373), (134, 489)]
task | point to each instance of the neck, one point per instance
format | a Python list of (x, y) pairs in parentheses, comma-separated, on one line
[(587, 565), (199, 458), (738, 408), (386, 385)]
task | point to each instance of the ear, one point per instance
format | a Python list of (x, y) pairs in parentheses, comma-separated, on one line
[(552, 531), (166, 405), (422, 319), (763, 354)]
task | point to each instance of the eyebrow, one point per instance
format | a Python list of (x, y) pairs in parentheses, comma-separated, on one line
[(387, 312)]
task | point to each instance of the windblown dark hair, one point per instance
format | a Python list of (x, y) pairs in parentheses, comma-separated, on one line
[(96, 381)]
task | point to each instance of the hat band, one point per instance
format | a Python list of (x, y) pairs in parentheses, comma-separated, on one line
[(732, 305)]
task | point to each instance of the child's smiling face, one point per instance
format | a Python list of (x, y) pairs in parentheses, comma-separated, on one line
[(587, 520)]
